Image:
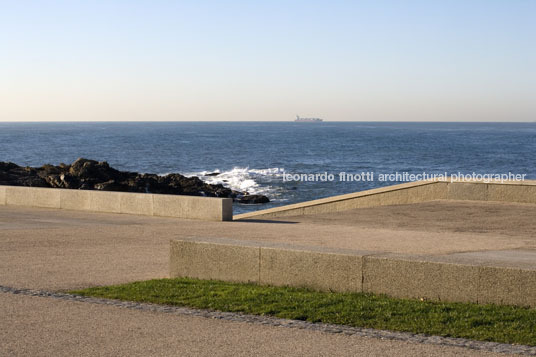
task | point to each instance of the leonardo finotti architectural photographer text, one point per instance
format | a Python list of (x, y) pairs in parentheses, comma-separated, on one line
[(370, 176)]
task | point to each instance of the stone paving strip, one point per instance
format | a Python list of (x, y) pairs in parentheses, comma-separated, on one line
[(278, 322)]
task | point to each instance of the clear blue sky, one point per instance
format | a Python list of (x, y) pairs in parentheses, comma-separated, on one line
[(268, 60)]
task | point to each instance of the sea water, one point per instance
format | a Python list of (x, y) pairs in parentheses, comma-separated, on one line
[(256, 156)]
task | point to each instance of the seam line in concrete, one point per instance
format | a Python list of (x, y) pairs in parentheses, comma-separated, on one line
[(479, 286), (279, 322), (363, 273), (260, 262)]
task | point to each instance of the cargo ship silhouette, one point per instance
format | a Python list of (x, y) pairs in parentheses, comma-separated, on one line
[(308, 120)]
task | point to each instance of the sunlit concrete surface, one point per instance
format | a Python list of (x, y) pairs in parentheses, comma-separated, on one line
[(61, 249)]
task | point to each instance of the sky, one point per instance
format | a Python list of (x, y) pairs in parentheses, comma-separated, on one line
[(253, 60)]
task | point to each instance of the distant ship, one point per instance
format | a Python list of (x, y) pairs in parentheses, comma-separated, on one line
[(308, 120)]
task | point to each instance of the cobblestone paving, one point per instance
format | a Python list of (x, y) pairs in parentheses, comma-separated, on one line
[(273, 321)]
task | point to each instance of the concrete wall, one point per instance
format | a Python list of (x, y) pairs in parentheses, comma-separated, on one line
[(190, 207), (221, 209), (270, 264), (412, 192), (351, 271), (2, 195)]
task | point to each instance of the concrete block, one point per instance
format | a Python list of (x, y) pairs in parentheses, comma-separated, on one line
[(19, 196), (105, 201), (402, 276), (507, 286), (420, 279), (2, 195), (192, 207), (136, 203), (32, 196), (46, 197), (213, 261), (512, 193), (227, 209), (75, 199), (310, 269), (169, 206), (468, 191)]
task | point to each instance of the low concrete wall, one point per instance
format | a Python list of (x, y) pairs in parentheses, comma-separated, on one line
[(190, 207), (270, 264), (2, 195), (518, 192), (412, 192), (351, 271), (433, 279)]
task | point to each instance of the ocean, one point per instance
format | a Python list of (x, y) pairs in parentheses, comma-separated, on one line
[(267, 157)]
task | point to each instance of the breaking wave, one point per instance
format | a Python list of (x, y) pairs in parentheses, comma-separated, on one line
[(253, 181)]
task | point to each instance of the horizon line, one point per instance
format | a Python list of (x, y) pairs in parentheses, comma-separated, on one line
[(263, 121)]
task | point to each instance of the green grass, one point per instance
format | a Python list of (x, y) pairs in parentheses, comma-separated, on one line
[(507, 324)]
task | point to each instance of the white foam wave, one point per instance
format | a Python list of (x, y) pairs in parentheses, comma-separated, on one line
[(244, 179)]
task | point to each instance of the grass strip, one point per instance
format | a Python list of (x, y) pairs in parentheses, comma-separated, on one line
[(505, 324)]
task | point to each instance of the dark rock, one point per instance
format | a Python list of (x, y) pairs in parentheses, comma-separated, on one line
[(69, 181), (87, 174), (54, 180), (212, 174), (5, 166), (48, 169), (93, 170), (253, 199), (112, 185)]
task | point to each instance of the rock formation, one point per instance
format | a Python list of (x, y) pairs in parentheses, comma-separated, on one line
[(87, 174)]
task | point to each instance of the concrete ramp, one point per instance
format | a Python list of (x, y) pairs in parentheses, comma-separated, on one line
[(407, 193)]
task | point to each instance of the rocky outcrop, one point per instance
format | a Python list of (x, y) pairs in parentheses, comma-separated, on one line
[(87, 174), (254, 199)]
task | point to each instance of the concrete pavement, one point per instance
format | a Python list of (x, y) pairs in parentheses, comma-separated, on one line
[(58, 250), (34, 326)]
